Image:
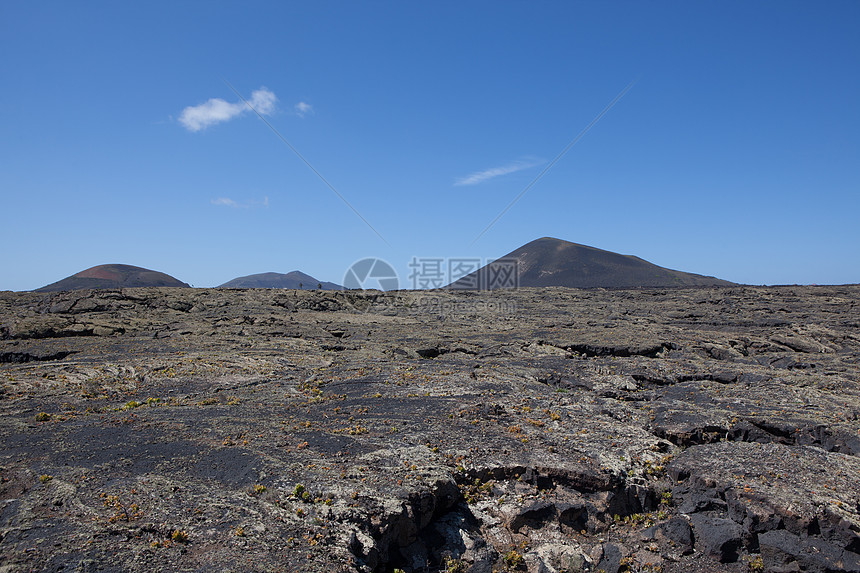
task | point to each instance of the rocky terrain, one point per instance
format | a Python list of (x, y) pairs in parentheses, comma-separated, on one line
[(536, 430), (554, 262)]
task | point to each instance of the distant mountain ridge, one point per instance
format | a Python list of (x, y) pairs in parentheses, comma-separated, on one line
[(291, 280), (553, 262), (543, 262), (113, 276)]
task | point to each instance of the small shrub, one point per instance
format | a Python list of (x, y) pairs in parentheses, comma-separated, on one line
[(42, 417), (513, 558), (45, 478), (756, 564), (455, 565), (179, 536)]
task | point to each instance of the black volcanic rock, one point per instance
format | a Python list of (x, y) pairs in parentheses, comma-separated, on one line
[(553, 262), (292, 280), (113, 276), (541, 429)]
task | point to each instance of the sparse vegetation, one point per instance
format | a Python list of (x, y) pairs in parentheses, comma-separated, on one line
[(513, 558), (122, 511), (302, 494), (476, 490), (756, 564)]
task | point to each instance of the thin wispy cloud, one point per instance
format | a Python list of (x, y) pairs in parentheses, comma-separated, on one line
[(227, 202), (303, 108), (493, 172), (216, 110)]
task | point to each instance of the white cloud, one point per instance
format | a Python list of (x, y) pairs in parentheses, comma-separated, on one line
[(263, 101), (225, 202), (216, 110), (487, 174), (303, 108)]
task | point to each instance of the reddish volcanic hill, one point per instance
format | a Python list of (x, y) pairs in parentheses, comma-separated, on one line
[(113, 276)]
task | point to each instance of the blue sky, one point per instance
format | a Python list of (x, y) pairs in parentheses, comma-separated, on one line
[(736, 153)]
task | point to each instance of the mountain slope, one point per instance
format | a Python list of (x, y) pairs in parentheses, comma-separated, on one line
[(294, 280), (554, 262), (113, 276)]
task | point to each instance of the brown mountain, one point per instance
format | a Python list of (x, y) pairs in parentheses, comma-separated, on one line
[(113, 276), (553, 262), (294, 279)]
